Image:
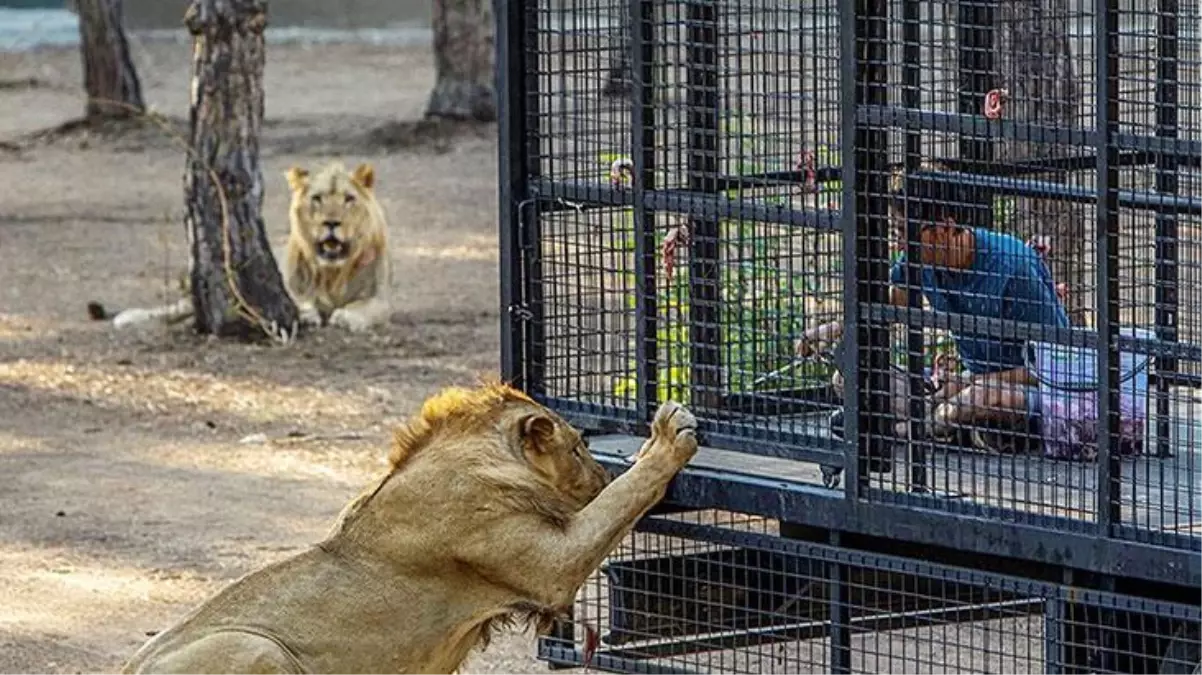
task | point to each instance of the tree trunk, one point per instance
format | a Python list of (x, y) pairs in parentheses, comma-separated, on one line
[(237, 289), (620, 78), (109, 76), (1034, 62), (463, 57)]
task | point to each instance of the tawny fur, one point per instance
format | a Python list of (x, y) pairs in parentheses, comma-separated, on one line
[(352, 292), (492, 510)]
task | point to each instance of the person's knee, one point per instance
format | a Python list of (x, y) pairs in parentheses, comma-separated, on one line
[(947, 412)]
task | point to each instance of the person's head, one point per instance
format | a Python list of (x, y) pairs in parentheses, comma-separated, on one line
[(934, 205)]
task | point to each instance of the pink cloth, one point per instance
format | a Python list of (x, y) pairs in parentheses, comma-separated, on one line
[(1069, 422)]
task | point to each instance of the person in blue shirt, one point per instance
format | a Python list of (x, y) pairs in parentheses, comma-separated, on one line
[(977, 272)]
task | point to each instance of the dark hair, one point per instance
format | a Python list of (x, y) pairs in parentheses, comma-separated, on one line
[(928, 198)]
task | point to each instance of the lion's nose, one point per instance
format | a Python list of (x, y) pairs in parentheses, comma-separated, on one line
[(331, 224)]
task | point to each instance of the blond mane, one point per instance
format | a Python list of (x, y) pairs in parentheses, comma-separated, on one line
[(462, 413), (454, 410)]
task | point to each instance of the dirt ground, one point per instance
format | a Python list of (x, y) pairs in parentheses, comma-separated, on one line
[(142, 471)]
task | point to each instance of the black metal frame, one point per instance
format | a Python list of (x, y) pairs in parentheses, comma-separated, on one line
[(1055, 599), (1103, 555)]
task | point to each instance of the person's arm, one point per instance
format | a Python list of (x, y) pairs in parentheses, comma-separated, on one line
[(814, 339), (1033, 297), (899, 293)]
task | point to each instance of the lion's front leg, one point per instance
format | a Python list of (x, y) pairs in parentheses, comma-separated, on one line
[(361, 315), (308, 313), (600, 526), (303, 296), (548, 563)]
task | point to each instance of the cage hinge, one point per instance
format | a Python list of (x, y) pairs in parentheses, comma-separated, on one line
[(525, 241)]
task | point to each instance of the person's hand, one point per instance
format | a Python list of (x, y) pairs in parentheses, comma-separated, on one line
[(944, 369), (1042, 244), (814, 340)]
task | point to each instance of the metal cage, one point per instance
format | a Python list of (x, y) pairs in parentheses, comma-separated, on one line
[(999, 464)]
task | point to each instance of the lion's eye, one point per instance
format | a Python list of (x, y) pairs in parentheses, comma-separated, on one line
[(350, 198), (316, 199)]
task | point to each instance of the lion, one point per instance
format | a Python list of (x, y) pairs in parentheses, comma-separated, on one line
[(492, 511), (336, 265)]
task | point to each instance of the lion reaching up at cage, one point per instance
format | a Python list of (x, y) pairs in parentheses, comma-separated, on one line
[(492, 510), (336, 265)]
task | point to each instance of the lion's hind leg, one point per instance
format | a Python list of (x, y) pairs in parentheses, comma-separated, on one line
[(231, 651)]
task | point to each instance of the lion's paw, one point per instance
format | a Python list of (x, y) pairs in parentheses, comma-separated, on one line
[(673, 431), (350, 320), (308, 315), (673, 419)]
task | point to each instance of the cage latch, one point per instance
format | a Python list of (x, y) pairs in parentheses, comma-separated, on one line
[(520, 313)]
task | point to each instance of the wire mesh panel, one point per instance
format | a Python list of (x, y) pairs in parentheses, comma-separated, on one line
[(925, 270), (1027, 172), (697, 143), (685, 237), (722, 592)]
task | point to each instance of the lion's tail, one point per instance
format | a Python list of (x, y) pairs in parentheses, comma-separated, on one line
[(176, 311), (97, 312)]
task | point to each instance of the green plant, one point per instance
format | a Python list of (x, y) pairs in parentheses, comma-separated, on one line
[(762, 306), (1003, 210), (760, 315)]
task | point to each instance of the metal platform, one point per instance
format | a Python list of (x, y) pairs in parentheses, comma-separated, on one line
[(1158, 490)]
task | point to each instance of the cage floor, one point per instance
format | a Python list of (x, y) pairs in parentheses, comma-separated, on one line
[(1161, 494)]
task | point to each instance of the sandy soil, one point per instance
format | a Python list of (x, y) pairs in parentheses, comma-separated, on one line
[(136, 478)]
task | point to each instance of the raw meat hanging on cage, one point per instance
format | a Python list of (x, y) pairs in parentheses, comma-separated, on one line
[(995, 102), (678, 236), (806, 164)]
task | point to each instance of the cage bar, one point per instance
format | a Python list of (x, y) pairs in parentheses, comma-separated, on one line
[(776, 160)]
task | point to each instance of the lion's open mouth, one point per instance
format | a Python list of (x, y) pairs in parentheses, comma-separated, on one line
[(332, 249)]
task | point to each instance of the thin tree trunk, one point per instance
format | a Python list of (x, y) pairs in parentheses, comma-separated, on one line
[(463, 57), (1034, 62), (619, 79), (109, 76), (237, 289)]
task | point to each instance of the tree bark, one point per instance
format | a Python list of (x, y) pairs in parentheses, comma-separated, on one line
[(620, 78), (237, 288), (1034, 62), (109, 76), (463, 57)]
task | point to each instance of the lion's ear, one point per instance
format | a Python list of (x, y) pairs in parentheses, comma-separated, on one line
[(537, 431), (365, 175), (298, 178)]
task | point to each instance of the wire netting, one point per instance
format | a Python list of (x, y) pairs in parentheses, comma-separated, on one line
[(715, 591), (913, 254), (686, 241)]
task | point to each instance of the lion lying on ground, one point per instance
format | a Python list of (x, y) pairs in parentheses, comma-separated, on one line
[(336, 266), (493, 510)]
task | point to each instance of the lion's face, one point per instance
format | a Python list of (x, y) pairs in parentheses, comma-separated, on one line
[(557, 452), (330, 212)]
